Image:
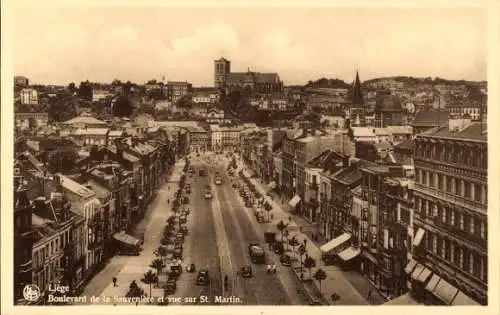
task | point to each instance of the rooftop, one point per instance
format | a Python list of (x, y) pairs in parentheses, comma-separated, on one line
[(430, 118), (84, 119), (75, 187), (475, 132)]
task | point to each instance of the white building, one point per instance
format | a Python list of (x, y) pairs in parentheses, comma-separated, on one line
[(29, 97)]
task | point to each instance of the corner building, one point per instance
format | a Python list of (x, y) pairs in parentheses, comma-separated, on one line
[(450, 265)]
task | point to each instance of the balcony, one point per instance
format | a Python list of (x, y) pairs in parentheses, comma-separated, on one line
[(461, 201)]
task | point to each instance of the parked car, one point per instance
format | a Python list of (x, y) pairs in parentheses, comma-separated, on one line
[(182, 219), (246, 271), (285, 260), (203, 278)]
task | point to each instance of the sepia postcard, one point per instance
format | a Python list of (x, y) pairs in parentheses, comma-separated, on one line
[(232, 157)]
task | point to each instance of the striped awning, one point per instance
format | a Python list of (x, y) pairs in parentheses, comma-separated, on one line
[(416, 272), (418, 237), (424, 275), (126, 239), (334, 243), (349, 253), (445, 291), (411, 265), (294, 201)]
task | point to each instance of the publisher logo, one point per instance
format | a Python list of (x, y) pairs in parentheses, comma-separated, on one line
[(31, 292)]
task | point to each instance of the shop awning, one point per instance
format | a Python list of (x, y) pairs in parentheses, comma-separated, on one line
[(424, 275), (462, 299), (432, 283), (294, 201), (349, 253), (418, 269), (335, 242), (272, 185), (418, 237), (369, 256), (445, 291), (126, 239), (410, 266)]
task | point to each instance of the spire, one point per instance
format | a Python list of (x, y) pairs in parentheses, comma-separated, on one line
[(357, 96)]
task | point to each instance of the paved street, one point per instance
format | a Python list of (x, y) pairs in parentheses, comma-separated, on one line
[(220, 230)]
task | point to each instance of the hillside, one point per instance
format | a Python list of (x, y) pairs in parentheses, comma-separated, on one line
[(432, 81)]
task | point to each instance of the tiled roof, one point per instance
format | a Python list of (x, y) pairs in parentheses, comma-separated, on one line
[(115, 133), (75, 187), (406, 144), (475, 132), (84, 120), (254, 76), (352, 173), (363, 132), (430, 118), (400, 129)]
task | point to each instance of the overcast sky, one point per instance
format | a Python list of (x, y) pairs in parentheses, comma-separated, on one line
[(59, 46)]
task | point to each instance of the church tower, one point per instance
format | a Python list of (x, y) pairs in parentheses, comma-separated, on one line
[(222, 69), (357, 111)]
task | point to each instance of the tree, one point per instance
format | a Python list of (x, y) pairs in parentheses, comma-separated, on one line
[(309, 263), (294, 243), (281, 226), (149, 278), (320, 275), (335, 298), (72, 88), (268, 209), (301, 250), (122, 107), (61, 107), (158, 265), (185, 103), (85, 90), (134, 291), (61, 160)]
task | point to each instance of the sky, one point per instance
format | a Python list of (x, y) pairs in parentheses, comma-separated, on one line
[(63, 45)]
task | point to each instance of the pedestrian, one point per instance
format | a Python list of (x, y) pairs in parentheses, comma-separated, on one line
[(114, 281), (302, 276), (273, 267), (168, 201), (369, 295), (268, 268)]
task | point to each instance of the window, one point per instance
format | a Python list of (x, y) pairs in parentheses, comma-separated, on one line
[(461, 257), (439, 246), (452, 217), (482, 230), (466, 190), (466, 260), (434, 244), (467, 222), (477, 192), (444, 214), (440, 182), (471, 263), (461, 220), (448, 184), (473, 225), (452, 252)]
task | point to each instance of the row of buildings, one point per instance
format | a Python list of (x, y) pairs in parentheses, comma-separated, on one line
[(411, 216), (67, 224)]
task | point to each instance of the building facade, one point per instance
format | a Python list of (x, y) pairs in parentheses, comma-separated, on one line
[(451, 203), (29, 97)]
